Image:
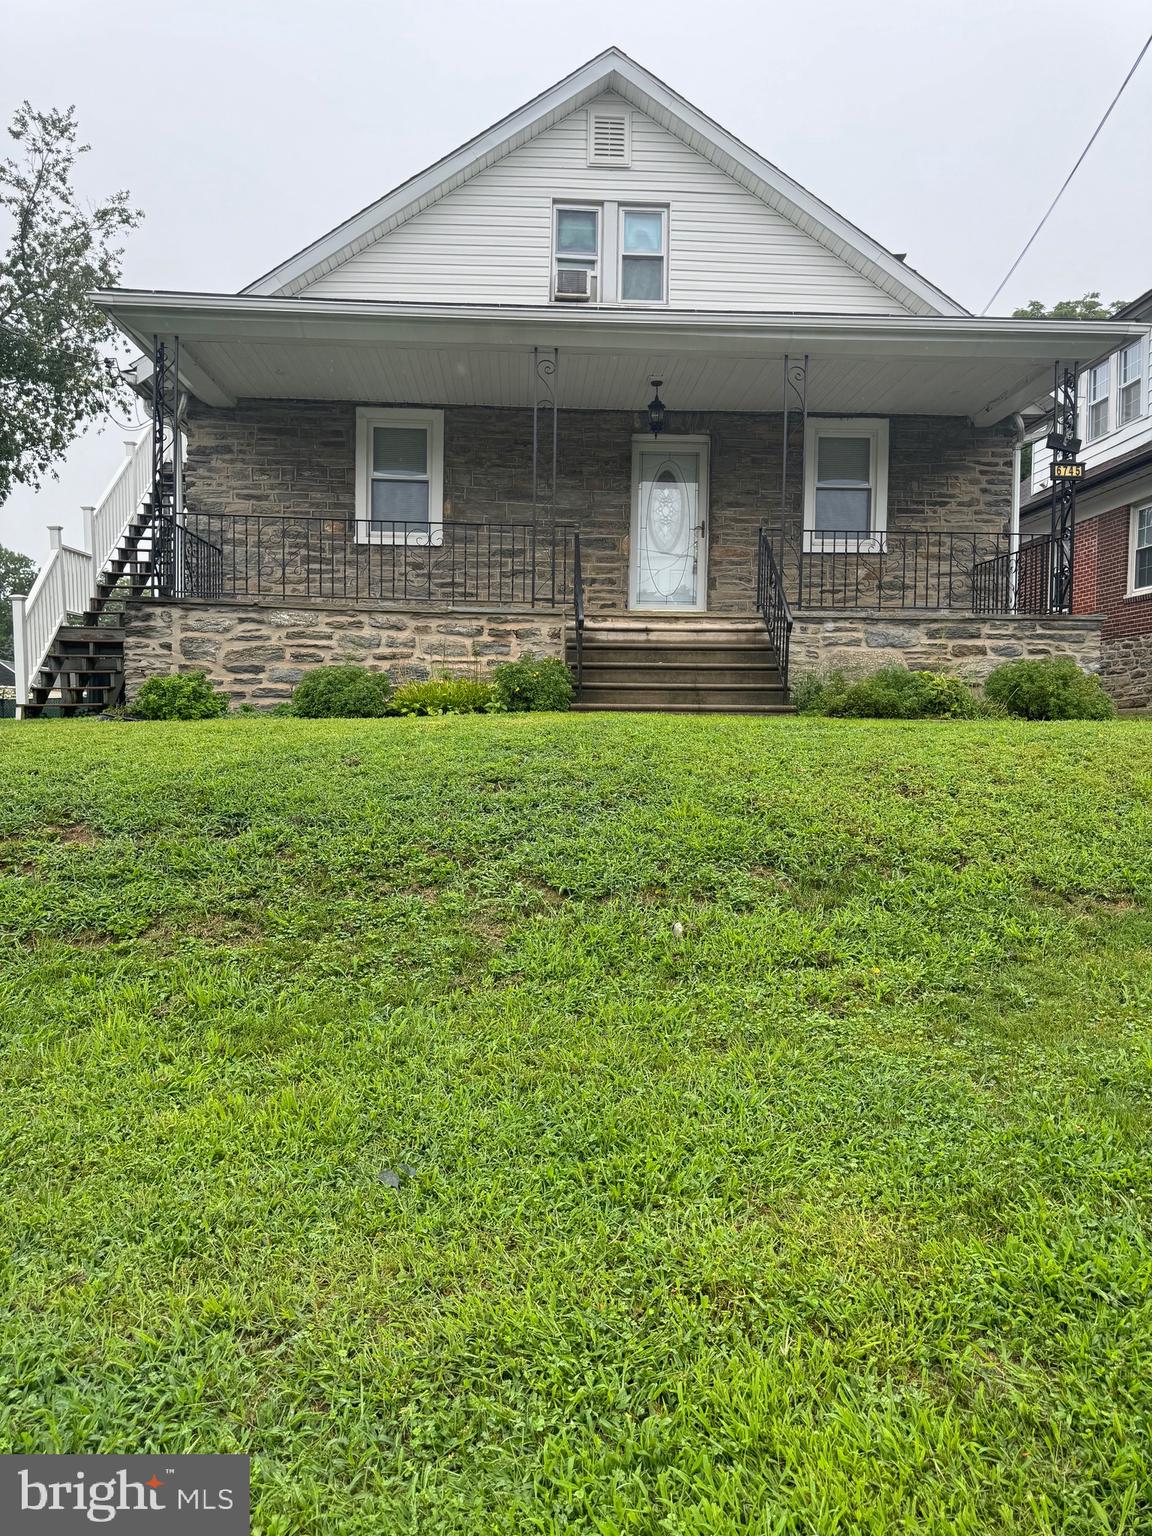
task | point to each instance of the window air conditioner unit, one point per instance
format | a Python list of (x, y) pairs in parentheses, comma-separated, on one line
[(573, 283)]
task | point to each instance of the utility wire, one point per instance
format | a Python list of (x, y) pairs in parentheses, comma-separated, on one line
[(1068, 178)]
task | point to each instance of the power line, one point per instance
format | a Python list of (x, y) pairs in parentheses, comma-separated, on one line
[(1068, 178)]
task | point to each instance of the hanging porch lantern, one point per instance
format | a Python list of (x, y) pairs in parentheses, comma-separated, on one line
[(656, 412)]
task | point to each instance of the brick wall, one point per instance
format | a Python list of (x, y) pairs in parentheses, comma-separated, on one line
[(299, 458), (1101, 586)]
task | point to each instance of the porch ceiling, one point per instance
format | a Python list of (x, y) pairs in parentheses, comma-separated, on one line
[(261, 348)]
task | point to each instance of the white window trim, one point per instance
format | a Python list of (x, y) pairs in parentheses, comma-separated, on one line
[(574, 205), (874, 428), (1133, 522), (1111, 362), (368, 417), (662, 256), (1140, 381)]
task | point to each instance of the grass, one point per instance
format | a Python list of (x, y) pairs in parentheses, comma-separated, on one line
[(575, 1124)]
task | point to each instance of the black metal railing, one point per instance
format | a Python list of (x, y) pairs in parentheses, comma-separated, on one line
[(970, 570), (772, 602), (578, 606), (234, 556), (183, 564), (1017, 581)]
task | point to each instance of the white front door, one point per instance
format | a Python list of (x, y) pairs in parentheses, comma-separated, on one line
[(669, 524)]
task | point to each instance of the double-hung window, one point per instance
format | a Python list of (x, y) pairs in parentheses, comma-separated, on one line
[(399, 476), (643, 255), (1140, 552), (577, 243), (1099, 399), (845, 482), (1130, 399)]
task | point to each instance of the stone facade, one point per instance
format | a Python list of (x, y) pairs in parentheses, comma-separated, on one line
[(298, 459), (1126, 669), (941, 642), (258, 652)]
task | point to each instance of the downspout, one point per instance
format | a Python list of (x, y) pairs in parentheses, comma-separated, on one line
[(1014, 513)]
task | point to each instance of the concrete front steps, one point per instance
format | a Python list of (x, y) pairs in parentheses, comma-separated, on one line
[(694, 665)]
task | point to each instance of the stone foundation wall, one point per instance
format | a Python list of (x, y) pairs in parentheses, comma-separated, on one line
[(1126, 669), (258, 652), (940, 642)]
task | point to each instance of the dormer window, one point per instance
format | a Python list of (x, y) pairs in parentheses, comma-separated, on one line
[(610, 136)]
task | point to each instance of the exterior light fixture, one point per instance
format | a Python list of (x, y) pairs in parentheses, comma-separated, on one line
[(656, 411)]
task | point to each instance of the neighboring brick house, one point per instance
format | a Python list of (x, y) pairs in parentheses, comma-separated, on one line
[(603, 382), (1113, 559)]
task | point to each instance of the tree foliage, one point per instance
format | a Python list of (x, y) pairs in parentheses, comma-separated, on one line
[(1087, 308), (58, 354), (17, 573)]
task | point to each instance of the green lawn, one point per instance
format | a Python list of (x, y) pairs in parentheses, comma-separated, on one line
[(769, 1103)]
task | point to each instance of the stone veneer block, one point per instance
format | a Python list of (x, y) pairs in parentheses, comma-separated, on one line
[(969, 646), (258, 653)]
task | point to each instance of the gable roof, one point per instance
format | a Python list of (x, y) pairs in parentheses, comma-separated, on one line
[(613, 71)]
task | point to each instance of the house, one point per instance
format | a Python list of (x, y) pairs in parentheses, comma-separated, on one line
[(603, 382), (1113, 561)]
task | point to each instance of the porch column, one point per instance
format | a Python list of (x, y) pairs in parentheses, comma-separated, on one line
[(792, 480), (1065, 445), (543, 381)]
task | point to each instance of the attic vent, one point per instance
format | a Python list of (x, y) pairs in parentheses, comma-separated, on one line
[(609, 138)]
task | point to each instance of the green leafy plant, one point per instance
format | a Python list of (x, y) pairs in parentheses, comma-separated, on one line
[(532, 683), (441, 696), (1048, 689), (889, 693), (342, 693), (182, 696), (59, 355)]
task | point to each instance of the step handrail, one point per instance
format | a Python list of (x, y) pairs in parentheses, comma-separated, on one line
[(106, 521), (67, 581), (63, 586)]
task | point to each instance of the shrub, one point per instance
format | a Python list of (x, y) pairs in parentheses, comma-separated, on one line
[(341, 693), (441, 696), (182, 696), (533, 682), (1048, 689), (889, 693)]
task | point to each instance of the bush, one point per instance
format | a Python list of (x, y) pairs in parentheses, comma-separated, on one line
[(441, 696), (183, 696), (889, 693), (534, 682), (341, 693), (1048, 689)]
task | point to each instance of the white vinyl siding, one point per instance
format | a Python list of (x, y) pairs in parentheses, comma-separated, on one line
[(490, 240)]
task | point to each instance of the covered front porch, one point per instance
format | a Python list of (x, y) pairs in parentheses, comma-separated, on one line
[(597, 465)]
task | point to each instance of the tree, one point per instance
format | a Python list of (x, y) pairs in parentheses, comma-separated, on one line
[(58, 353), (1087, 308), (17, 573)]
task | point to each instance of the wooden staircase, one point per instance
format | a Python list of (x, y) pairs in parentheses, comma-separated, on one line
[(84, 666), (698, 664)]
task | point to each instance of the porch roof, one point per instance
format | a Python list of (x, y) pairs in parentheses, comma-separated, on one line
[(246, 347)]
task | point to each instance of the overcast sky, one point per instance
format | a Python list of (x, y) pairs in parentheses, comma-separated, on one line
[(244, 130)]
